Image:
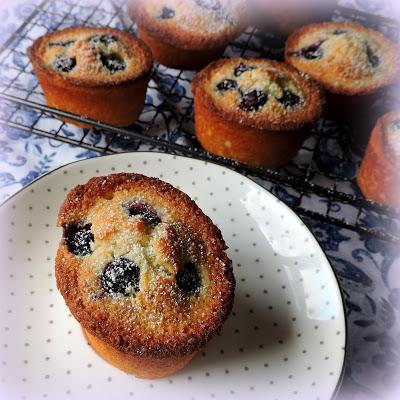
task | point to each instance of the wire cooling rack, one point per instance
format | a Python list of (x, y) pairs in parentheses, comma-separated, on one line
[(319, 182)]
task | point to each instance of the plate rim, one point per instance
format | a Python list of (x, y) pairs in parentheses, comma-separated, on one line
[(175, 156)]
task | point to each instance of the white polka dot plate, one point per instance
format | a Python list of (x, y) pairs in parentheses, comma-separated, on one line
[(285, 337)]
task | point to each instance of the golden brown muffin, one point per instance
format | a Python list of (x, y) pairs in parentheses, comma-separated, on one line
[(256, 111), (354, 64), (282, 17), (101, 73), (345, 58), (187, 34), (379, 174), (144, 271)]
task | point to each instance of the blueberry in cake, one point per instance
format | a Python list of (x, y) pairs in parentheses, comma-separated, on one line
[(144, 272), (78, 238), (256, 111), (101, 73), (378, 177), (187, 34)]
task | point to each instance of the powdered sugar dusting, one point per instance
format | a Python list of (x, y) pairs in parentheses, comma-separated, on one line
[(89, 54), (348, 55), (280, 94), (200, 17)]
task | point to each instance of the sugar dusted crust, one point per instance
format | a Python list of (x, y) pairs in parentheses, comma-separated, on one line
[(272, 79), (348, 59), (192, 27), (89, 70), (160, 320)]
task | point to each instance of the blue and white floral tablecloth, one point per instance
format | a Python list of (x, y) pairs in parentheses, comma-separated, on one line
[(368, 269)]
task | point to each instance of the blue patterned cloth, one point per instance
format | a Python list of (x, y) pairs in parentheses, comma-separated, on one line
[(368, 269)]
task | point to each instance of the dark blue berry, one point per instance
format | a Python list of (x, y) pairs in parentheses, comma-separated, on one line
[(105, 39), (253, 100), (64, 63), (312, 52), (149, 215), (241, 68), (62, 43), (289, 99), (113, 63), (78, 238), (167, 13), (120, 276), (372, 57), (188, 278), (227, 84), (213, 5)]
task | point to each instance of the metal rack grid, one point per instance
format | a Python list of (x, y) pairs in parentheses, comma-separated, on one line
[(324, 168)]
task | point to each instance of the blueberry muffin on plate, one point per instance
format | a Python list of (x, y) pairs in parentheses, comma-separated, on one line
[(187, 34), (100, 73), (144, 272), (354, 64), (379, 176), (256, 111)]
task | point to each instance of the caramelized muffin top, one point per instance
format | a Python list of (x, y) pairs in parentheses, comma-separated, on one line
[(261, 93), (92, 56), (141, 267), (190, 24), (391, 134), (344, 57)]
